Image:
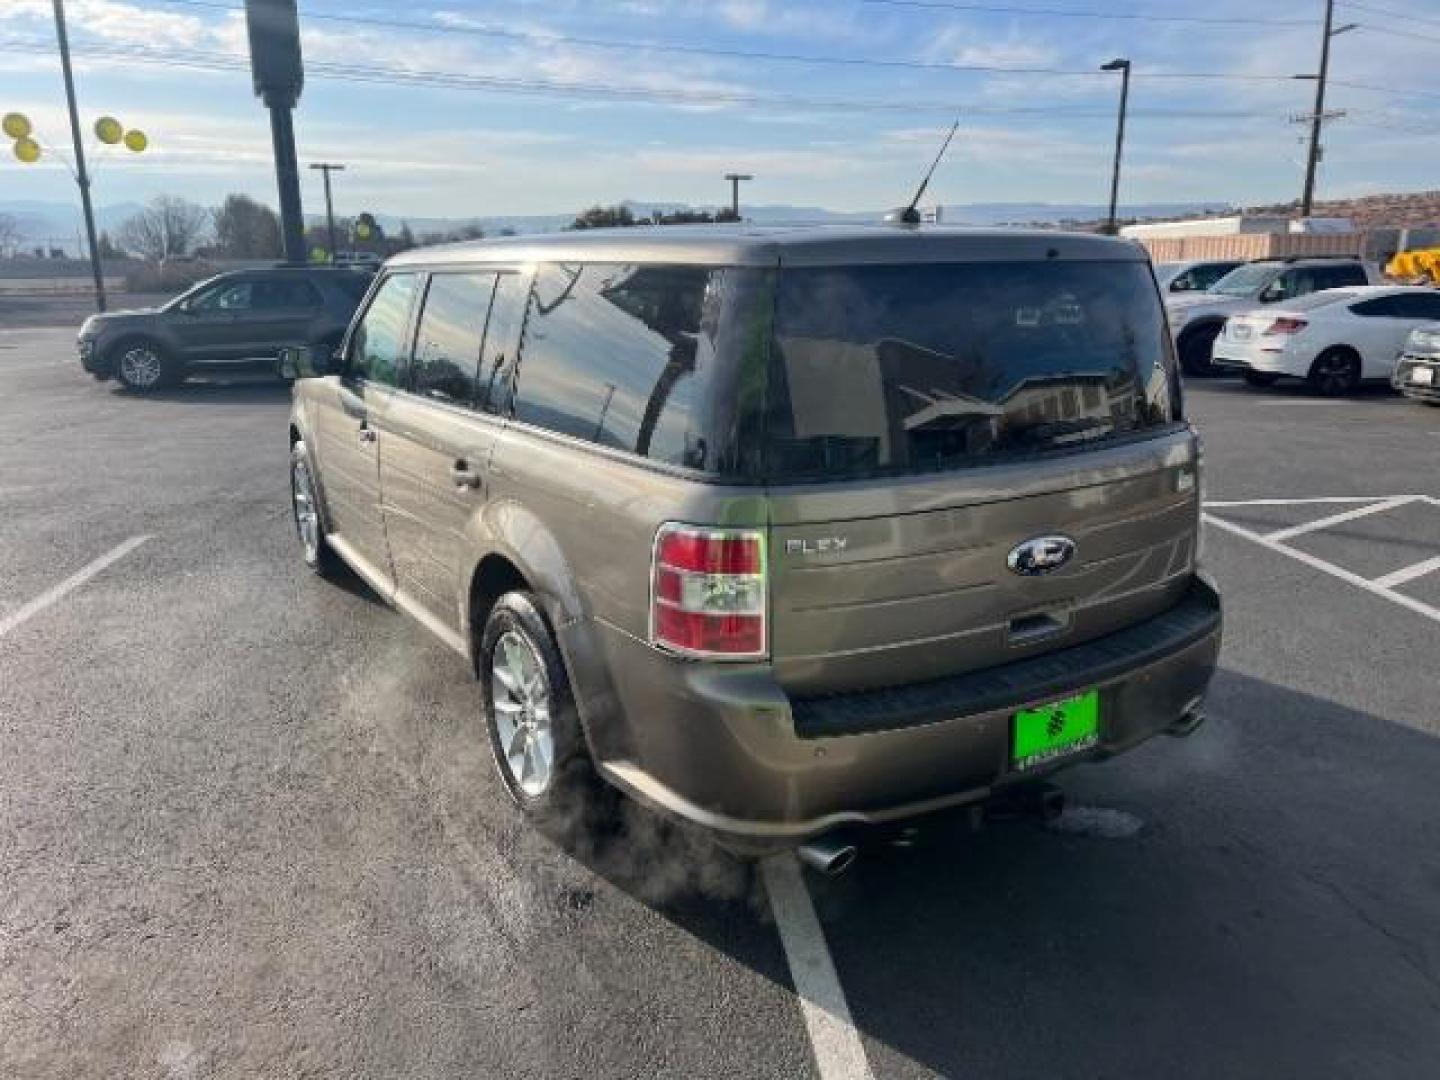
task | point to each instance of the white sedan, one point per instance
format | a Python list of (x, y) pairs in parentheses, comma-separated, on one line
[(1333, 339)]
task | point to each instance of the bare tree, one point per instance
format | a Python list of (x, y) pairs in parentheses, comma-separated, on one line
[(169, 226), (9, 233), (246, 229)]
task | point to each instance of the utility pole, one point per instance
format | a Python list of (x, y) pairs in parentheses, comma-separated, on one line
[(735, 179), (1318, 117), (1121, 65), (327, 168), (81, 176)]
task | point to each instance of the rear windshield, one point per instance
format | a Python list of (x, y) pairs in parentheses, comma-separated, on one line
[(923, 367)]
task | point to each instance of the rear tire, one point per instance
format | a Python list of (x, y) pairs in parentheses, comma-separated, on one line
[(1335, 372), (1259, 378), (532, 722), (1195, 349), (142, 366)]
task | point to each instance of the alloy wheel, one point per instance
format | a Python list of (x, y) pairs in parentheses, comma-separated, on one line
[(520, 698), (140, 367), (307, 517)]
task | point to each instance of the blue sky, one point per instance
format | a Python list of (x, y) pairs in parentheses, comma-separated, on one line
[(462, 151)]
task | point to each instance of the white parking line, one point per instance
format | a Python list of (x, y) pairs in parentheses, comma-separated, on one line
[(1408, 573), (1214, 504), (1338, 519), (70, 584), (839, 1053), (1372, 587)]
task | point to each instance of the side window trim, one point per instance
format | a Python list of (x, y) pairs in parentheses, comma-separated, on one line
[(527, 278)]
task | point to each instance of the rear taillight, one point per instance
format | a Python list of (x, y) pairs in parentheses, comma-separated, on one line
[(707, 592), (1287, 326)]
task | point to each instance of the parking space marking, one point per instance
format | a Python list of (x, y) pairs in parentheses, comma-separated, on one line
[(839, 1053), (1373, 587), (69, 585), (1221, 504), (1341, 518), (1408, 573)]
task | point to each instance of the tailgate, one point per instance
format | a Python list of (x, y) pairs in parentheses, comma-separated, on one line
[(896, 581)]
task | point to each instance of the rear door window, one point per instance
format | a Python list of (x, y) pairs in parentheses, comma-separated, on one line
[(1382, 307), (447, 343), (903, 369), (627, 357), (380, 343)]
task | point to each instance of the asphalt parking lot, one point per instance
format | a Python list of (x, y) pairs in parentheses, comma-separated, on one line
[(248, 824)]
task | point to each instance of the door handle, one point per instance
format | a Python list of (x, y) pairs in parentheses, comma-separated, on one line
[(367, 435), (464, 476)]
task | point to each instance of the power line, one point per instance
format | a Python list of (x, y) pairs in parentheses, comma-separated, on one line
[(1408, 35), (1072, 13), (1389, 13), (686, 49), (466, 80)]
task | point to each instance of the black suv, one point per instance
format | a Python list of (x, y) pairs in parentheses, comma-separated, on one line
[(243, 316)]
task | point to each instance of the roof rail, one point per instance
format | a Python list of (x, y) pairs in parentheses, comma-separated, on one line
[(1300, 258)]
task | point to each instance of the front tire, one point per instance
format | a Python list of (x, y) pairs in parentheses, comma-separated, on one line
[(530, 715), (142, 366), (319, 556), (1335, 372)]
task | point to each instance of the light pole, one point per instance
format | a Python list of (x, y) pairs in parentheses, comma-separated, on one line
[(1121, 65), (735, 179), (327, 168), (1317, 118)]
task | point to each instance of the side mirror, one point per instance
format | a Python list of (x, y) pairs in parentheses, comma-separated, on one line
[(305, 361)]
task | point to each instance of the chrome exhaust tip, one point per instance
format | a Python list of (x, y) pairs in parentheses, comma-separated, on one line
[(831, 854), (1190, 719)]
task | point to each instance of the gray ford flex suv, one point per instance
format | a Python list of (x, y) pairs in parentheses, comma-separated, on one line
[(241, 317), (782, 531)]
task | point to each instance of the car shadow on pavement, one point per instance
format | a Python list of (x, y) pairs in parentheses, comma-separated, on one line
[(240, 389), (1257, 900)]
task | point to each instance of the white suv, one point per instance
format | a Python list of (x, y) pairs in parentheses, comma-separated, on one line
[(1196, 319)]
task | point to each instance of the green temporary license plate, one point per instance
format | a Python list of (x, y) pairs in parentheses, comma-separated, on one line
[(1055, 730)]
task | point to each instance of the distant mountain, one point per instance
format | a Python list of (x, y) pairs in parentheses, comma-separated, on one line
[(60, 222)]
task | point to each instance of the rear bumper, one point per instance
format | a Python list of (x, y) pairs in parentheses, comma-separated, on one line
[(1250, 358), (1404, 378), (725, 747)]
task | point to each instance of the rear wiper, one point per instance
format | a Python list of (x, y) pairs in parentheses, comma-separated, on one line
[(1065, 431)]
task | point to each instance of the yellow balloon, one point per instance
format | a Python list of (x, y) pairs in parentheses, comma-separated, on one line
[(108, 130), (16, 125), (27, 150), (135, 140)]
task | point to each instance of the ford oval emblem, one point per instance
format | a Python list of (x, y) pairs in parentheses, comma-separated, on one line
[(1041, 555)]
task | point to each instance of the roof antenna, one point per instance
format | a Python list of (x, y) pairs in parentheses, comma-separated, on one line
[(910, 215)]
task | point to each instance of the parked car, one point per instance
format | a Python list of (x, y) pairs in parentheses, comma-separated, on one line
[(244, 316), (1196, 275), (786, 532), (1197, 318), (1417, 375), (1334, 339)]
